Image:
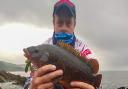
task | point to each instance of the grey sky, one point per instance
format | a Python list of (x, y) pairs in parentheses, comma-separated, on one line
[(103, 24)]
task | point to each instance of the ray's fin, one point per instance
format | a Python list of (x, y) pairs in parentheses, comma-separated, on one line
[(94, 65), (70, 49), (97, 81)]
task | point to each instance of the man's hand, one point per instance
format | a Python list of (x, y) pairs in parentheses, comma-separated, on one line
[(81, 85), (43, 77)]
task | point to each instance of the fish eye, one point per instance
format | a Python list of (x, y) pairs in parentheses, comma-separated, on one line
[(36, 51)]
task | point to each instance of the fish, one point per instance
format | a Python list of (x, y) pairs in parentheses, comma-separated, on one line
[(65, 57)]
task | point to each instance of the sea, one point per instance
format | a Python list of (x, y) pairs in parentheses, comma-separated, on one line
[(111, 80), (114, 79)]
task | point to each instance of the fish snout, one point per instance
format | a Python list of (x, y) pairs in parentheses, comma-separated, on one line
[(27, 54)]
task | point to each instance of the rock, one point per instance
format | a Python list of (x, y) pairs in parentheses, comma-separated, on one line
[(8, 77), (0, 88), (2, 79), (123, 88)]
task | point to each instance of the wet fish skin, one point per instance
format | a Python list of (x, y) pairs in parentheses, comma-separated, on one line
[(74, 69)]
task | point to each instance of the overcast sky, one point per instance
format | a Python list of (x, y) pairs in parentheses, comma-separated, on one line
[(102, 24)]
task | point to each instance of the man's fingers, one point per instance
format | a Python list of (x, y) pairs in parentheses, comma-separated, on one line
[(82, 85), (47, 77), (43, 70), (50, 76), (51, 87), (46, 86)]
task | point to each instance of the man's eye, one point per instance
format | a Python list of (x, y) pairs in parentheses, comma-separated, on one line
[(59, 24), (68, 24), (36, 51)]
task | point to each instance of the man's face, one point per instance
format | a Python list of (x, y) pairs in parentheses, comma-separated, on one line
[(60, 26)]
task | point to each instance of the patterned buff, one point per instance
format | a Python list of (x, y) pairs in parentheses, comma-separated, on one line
[(65, 37)]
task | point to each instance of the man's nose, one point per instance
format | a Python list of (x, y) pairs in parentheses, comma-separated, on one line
[(64, 27)]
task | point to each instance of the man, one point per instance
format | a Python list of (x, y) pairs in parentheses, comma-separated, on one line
[(64, 21)]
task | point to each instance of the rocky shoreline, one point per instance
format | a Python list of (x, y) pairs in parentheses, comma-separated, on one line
[(14, 79)]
